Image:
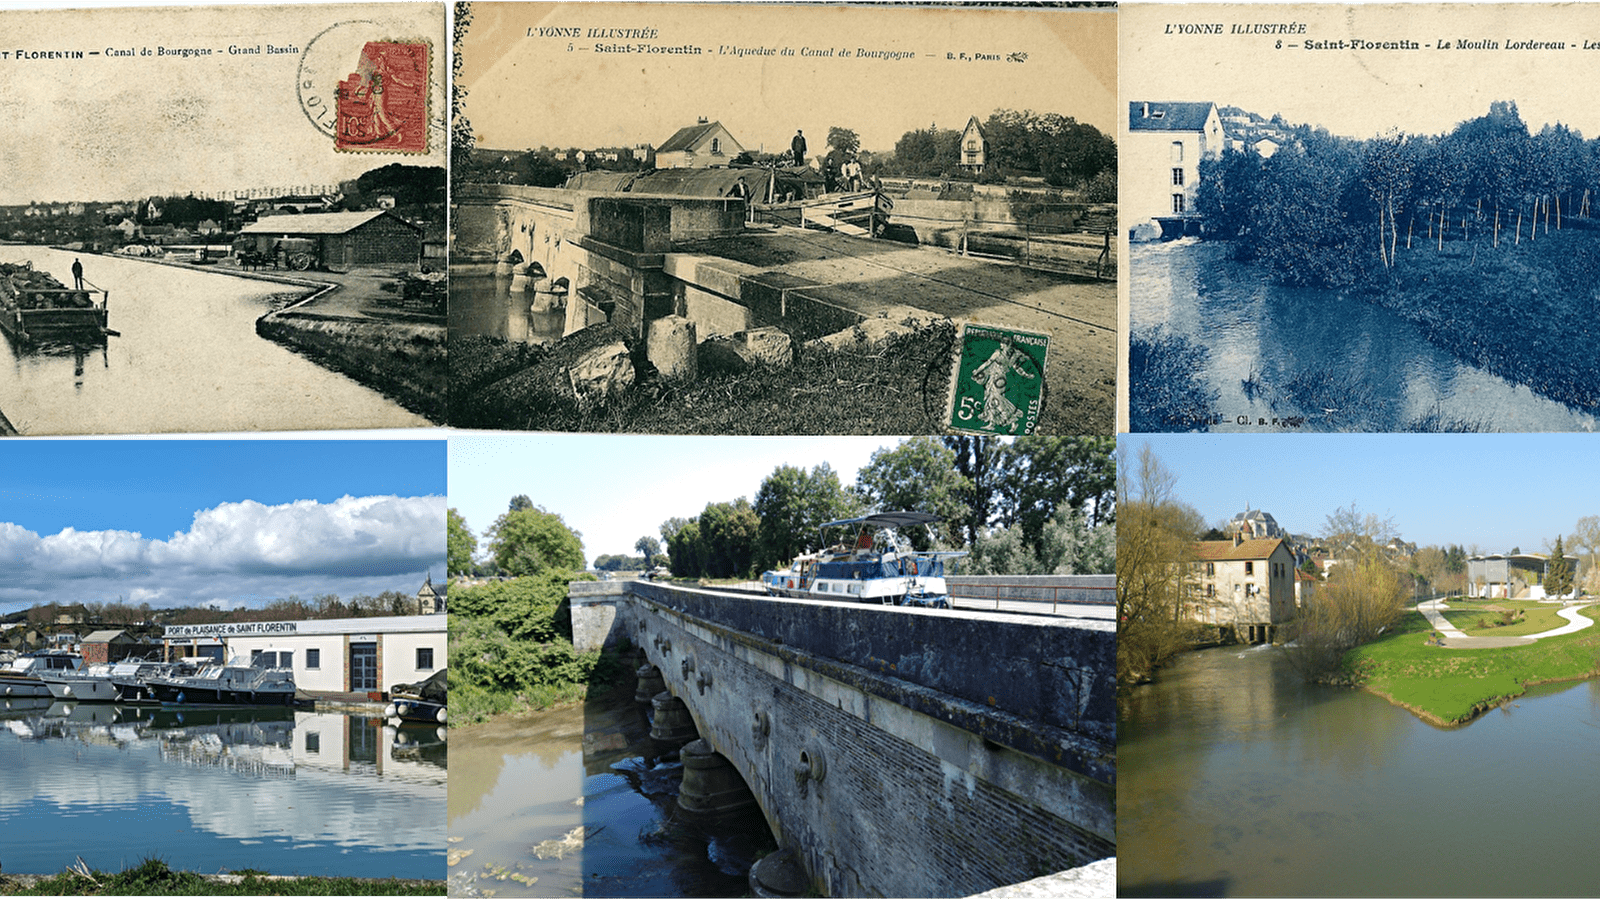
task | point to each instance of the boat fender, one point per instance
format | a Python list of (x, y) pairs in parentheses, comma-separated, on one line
[(441, 716)]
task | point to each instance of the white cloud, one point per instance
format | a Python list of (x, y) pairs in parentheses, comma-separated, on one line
[(232, 552)]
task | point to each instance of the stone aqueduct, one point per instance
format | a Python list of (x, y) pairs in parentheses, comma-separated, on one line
[(892, 751)]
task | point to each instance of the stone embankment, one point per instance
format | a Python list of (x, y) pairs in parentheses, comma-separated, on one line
[(890, 371)]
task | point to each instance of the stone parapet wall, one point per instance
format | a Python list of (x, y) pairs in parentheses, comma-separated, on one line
[(848, 725)]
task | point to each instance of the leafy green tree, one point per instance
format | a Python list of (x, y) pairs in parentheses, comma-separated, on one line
[(1045, 474), (791, 506), (530, 540), (843, 139), (978, 459), (648, 547), (918, 475), (520, 502), (460, 543), (728, 538), (1000, 552), (1558, 572)]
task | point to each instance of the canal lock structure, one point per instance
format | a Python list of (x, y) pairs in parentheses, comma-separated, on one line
[(659, 814)]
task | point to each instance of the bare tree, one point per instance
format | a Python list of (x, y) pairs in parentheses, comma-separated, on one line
[(1363, 595), (1155, 552), (1586, 539)]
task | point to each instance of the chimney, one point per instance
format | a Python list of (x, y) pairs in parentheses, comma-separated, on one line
[(703, 121), (1237, 538)]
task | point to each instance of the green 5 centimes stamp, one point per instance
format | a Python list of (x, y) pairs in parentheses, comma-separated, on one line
[(998, 384)]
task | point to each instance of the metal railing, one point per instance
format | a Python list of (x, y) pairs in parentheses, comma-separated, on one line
[(1031, 593)]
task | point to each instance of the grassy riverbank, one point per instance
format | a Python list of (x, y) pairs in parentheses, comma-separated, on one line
[(1525, 312), (401, 360), (1447, 686), (153, 878), (511, 649), (899, 388)]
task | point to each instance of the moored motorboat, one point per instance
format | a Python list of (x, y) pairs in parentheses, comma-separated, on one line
[(234, 684), (109, 683), (424, 701), (878, 565), (22, 676), (35, 306)]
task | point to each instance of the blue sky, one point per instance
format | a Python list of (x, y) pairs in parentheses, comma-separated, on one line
[(192, 522), (1494, 490), (614, 489)]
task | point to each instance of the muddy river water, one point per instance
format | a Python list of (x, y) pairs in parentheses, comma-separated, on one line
[(581, 801)]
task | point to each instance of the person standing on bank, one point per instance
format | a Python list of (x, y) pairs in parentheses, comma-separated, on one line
[(798, 147), (77, 275)]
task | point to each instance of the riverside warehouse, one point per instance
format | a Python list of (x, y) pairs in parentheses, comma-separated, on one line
[(328, 656)]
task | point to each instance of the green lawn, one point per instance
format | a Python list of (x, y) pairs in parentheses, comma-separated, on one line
[(1448, 686), (1466, 615)]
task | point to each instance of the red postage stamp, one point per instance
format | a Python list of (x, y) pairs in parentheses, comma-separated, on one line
[(383, 105)]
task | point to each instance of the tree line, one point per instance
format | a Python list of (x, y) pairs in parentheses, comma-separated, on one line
[(1327, 211), (290, 608), (1034, 505)]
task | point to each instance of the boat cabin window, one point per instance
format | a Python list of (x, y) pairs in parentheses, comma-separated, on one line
[(272, 659)]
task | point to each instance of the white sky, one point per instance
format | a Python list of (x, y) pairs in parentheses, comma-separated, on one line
[(111, 128), (527, 92), (1363, 93), (231, 553), (615, 489)]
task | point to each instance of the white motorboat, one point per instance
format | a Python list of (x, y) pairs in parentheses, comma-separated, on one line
[(235, 684), (877, 565), (22, 676)]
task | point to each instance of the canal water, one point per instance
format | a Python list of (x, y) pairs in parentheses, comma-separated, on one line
[(1338, 361), (485, 305), (188, 359), (1236, 778), (211, 789), (581, 802)]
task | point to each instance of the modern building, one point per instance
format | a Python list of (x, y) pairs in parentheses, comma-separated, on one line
[(1244, 585), (1160, 161), (342, 240), (1515, 576), (698, 146), (327, 655)]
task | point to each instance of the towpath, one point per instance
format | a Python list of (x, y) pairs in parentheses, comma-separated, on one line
[(1454, 637)]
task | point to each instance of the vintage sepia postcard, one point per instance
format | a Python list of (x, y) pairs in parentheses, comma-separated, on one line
[(779, 219), (223, 218), (1367, 218)]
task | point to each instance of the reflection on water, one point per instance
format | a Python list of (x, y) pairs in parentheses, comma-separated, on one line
[(1238, 779), (267, 788), (486, 305), (188, 359), (582, 802), (1340, 362)]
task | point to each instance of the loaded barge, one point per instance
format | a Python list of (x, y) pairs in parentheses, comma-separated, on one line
[(35, 306)]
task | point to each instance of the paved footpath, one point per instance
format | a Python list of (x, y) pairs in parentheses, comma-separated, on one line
[(1454, 637)]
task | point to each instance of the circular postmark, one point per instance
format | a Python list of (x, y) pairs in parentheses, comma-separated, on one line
[(367, 88)]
